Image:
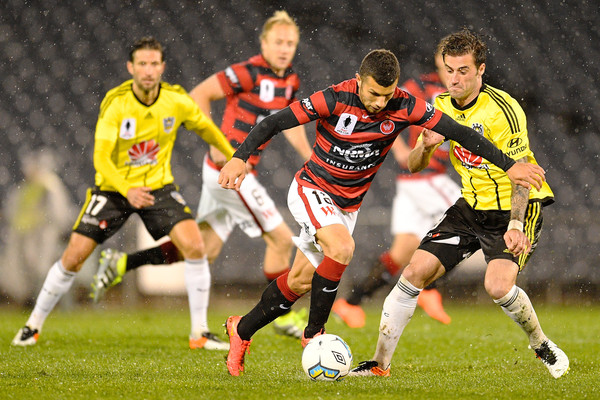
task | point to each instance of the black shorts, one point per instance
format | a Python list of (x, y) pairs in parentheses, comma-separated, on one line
[(463, 230), (105, 212)]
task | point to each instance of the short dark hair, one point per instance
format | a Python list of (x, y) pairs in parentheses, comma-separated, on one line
[(382, 65), (462, 43), (148, 43)]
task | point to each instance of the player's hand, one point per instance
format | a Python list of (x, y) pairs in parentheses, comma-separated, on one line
[(232, 174), (140, 197), (430, 138), (517, 242), (527, 174), (217, 157)]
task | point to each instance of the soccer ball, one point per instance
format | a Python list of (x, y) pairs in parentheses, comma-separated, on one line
[(326, 358)]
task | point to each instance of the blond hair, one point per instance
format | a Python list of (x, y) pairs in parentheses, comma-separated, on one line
[(279, 17)]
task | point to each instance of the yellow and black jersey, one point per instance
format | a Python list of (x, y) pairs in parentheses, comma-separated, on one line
[(497, 116), (134, 141)]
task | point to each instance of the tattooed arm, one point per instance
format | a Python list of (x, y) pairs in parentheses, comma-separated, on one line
[(516, 240)]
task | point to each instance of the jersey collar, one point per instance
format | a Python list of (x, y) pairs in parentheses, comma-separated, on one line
[(471, 104)]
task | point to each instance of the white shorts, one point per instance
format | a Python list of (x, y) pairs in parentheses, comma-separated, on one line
[(251, 208), (314, 209), (421, 202)]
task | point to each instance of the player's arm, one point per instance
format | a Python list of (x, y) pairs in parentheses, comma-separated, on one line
[(204, 94), (207, 91), (296, 136), (419, 157), (515, 239), (233, 173), (524, 174)]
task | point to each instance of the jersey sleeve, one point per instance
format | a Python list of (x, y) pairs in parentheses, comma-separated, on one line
[(107, 132), (422, 113), (235, 79), (318, 105), (510, 128)]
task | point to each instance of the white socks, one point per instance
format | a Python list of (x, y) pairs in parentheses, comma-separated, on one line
[(398, 309), (518, 307), (57, 283), (197, 282)]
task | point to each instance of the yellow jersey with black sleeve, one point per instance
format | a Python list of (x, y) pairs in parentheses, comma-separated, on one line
[(134, 141), (498, 117)]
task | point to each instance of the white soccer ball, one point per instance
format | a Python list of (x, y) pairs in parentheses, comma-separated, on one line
[(326, 358)]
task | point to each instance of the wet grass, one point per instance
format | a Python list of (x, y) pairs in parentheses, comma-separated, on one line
[(139, 353)]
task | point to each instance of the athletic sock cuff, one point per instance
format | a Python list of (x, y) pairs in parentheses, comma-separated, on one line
[(288, 293), (509, 297), (271, 276), (331, 269), (407, 287)]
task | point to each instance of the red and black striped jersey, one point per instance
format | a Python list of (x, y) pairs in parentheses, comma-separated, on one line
[(427, 87), (253, 92), (351, 144)]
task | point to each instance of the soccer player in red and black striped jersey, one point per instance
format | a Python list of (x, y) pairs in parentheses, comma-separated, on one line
[(420, 202), (357, 123), (253, 89)]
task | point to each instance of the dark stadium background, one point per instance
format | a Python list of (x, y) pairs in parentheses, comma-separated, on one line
[(58, 59)]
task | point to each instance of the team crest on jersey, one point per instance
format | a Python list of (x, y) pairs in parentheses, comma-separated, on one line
[(168, 124), (288, 92), (387, 127), (127, 129), (143, 153), (346, 124)]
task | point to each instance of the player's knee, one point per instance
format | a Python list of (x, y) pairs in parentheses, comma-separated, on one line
[(194, 249), (342, 252), (497, 289), (416, 274)]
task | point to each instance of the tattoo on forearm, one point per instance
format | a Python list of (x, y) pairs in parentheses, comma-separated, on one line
[(519, 199)]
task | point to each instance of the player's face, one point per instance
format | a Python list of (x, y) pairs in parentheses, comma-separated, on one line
[(279, 46), (146, 69), (464, 78), (374, 96)]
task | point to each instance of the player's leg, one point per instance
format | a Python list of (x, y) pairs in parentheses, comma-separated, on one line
[(278, 297), (338, 248), (110, 207), (398, 308), (114, 264), (188, 239), (59, 280), (275, 301), (278, 252), (171, 216), (500, 283)]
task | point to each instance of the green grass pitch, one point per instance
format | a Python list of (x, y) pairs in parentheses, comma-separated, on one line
[(120, 352)]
